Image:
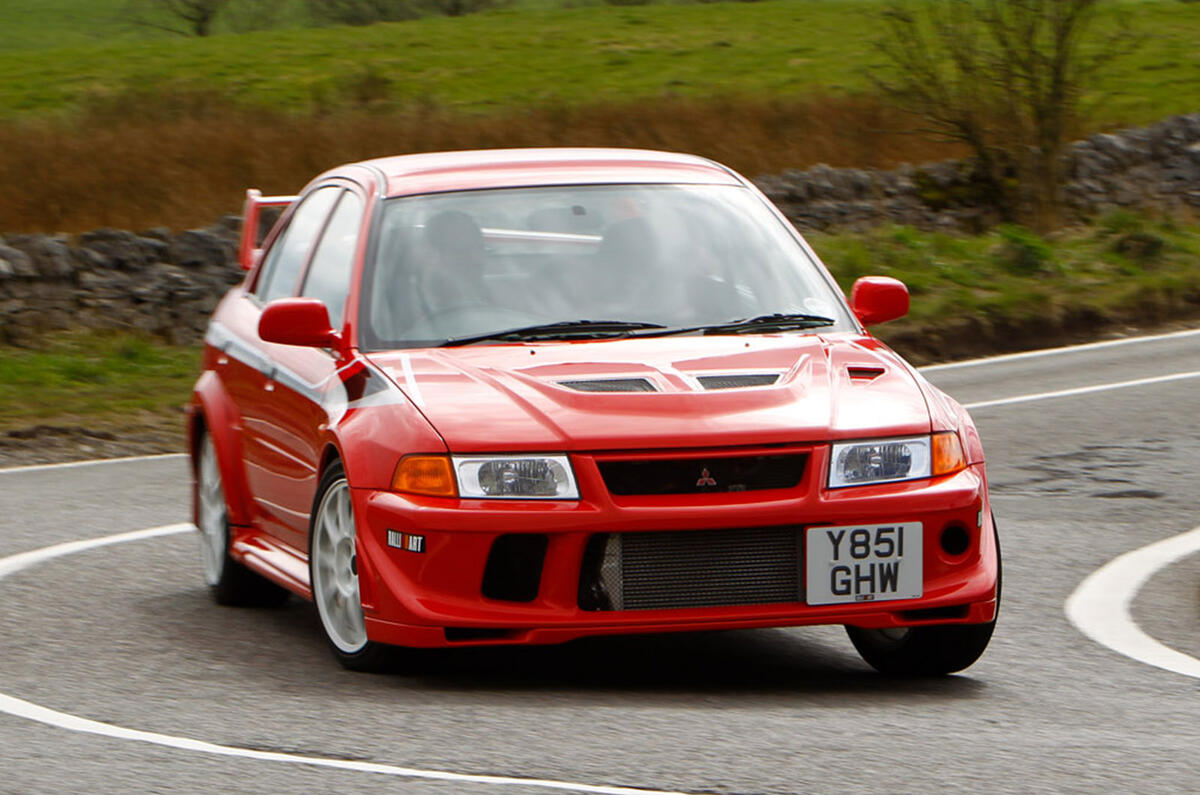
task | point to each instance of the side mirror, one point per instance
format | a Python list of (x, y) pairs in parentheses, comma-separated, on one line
[(298, 321), (878, 299)]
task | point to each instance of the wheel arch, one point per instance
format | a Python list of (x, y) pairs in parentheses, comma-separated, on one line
[(329, 454), (368, 570), (213, 412)]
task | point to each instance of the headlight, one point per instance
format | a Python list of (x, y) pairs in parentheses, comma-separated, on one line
[(891, 460), (520, 477)]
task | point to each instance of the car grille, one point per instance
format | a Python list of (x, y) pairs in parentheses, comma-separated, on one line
[(696, 568), (700, 475)]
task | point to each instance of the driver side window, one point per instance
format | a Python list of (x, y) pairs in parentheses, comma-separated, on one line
[(329, 273), (285, 261)]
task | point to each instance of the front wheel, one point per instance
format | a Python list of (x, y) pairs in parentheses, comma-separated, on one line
[(333, 572), (927, 651), (922, 651)]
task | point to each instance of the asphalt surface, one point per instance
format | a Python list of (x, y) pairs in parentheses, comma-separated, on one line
[(127, 635)]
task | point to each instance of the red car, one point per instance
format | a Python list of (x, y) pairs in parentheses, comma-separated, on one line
[(524, 396)]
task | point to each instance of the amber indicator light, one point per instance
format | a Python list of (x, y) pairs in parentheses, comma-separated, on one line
[(430, 475)]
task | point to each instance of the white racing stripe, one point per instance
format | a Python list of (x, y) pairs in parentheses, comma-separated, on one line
[(410, 380), (64, 720), (1100, 606), (1082, 390), (1081, 348)]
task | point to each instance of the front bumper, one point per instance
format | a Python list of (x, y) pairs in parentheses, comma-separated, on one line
[(435, 597)]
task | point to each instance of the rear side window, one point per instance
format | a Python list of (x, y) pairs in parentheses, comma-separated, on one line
[(329, 274), (285, 260)]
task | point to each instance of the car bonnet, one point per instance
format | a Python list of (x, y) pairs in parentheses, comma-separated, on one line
[(660, 393)]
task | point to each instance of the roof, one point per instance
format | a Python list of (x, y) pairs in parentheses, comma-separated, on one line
[(491, 168)]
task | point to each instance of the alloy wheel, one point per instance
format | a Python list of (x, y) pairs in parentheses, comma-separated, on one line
[(335, 571)]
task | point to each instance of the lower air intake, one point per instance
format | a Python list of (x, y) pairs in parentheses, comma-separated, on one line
[(698, 568), (514, 567)]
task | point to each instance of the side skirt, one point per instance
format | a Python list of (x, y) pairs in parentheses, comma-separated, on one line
[(273, 559)]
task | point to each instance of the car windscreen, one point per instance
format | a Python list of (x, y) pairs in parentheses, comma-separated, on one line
[(452, 266)]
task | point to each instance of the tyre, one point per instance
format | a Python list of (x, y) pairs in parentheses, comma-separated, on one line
[(930, 650), (230, 582), (333, 572)]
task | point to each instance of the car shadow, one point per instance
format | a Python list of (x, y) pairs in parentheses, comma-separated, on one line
[(777, 664), (754, 662)]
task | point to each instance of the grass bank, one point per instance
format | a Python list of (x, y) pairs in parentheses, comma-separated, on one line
[(1006, 290), (108, 382), (534, 54), (1011, 289)]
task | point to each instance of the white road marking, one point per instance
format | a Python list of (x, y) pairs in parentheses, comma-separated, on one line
[(64, 720), (1082, 390), (1086, 346), (1100, 606), (72, 464)]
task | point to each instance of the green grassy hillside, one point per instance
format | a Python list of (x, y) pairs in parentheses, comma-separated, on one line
[(48, 24), (532, 54)]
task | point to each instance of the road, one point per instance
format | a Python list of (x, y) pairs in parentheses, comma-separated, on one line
[(126, 635)]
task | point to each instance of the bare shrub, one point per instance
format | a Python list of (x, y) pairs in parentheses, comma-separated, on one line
[(1005, 78)]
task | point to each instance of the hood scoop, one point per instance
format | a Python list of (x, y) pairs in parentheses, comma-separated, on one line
[(610, 385), (737, 381), (859, 372)]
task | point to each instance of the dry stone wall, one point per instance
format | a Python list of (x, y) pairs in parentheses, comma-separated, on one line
[(167, 284), (1154, 168), (162, 283)]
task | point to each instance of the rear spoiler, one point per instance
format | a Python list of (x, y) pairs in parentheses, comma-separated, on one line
[(248, 250)]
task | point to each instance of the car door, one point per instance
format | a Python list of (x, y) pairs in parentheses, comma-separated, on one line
[(307, 394), (278, 401)]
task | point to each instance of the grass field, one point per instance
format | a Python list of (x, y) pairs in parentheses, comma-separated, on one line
[(48, 24), (107, 381), (530, 55)]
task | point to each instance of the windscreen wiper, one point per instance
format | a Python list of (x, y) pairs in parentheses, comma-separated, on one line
[(562, 329), (750, 325), (778, 321)]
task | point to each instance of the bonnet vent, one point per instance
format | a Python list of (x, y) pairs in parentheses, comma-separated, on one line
[(735, 381), (863, 372), (610, 385)]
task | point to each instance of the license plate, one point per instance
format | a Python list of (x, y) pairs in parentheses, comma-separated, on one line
[(863, 563)]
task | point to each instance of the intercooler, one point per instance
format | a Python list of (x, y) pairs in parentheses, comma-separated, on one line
[(692, 568)]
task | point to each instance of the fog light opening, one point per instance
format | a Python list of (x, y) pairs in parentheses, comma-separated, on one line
[(955, 540)]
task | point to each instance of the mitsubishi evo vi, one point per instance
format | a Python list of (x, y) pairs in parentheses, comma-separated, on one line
[(525, 396)]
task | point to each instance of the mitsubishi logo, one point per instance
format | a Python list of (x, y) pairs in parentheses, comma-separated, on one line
[(706, 479)]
